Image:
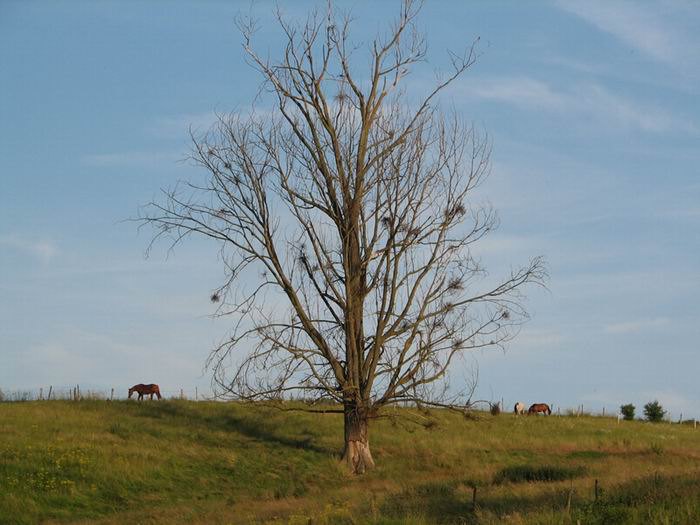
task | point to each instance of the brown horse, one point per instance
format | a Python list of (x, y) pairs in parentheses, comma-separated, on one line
[(539, 407), (142, 390)]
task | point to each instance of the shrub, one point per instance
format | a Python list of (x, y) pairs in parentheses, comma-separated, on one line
[(627, 412), (495, 409), (654, 412)]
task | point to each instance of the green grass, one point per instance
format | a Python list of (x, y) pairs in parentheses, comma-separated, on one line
[(185, 462)]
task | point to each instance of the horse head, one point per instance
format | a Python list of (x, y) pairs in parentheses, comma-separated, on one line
[(131, 391)]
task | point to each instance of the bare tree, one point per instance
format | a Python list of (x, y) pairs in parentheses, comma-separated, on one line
[(351, 207)]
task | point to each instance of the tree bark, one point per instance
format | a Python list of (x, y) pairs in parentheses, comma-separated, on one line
[(357, 454)]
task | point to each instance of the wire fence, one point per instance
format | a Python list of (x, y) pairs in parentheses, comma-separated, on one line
[(78, 393)]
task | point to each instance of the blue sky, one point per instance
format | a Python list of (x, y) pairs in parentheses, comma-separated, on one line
[(594, 115)]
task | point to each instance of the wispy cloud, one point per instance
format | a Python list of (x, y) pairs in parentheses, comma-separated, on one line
[(177, 126), (629, 327), (42, 249), (637, 25), (539, 339), (665, 32), (523, 92), (580, 102)]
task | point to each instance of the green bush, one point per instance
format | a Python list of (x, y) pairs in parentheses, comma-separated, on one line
[(654, 412), (627, 411)]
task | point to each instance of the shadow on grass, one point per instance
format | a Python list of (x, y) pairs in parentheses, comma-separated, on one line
[(252, 426), (450, 502), (530, 473), (674, 498)]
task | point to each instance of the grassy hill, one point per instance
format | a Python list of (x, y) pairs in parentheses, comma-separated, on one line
[(186, 462)]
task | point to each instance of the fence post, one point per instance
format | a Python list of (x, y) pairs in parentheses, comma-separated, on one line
[(596, 490), (196, 394), (111, 395), (182, 395), (49, 396), (41, 393), (603, 411)]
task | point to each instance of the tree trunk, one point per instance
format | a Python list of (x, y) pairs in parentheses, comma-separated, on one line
[(357, 454)]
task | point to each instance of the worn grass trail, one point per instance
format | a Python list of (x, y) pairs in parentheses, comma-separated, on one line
[(185, 462)]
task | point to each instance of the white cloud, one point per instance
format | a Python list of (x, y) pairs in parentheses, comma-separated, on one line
[(580, 103), (629, 327), (177, 126), (665, 32), (42, 249), (538, 339), (523, 92), (634, 24)]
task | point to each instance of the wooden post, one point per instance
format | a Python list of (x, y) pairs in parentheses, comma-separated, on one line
[(680, 418), (50, 389), (603, 411), (473, 497), (558, 411), (619, 417), (695, 423), (182, 395), (111, 395), (196, 394), (596, 490), (41, 394)]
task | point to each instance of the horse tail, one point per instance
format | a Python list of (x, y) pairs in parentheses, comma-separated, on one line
[(157, 389), (549, 411)]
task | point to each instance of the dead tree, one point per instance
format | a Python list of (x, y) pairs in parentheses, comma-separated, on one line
[(347, 229)]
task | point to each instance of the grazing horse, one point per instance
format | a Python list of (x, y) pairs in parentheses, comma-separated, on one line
[(539, 407), (142, 390), (519, 408)]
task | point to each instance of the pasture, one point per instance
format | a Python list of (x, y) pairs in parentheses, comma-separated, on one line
[(186, 462)]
